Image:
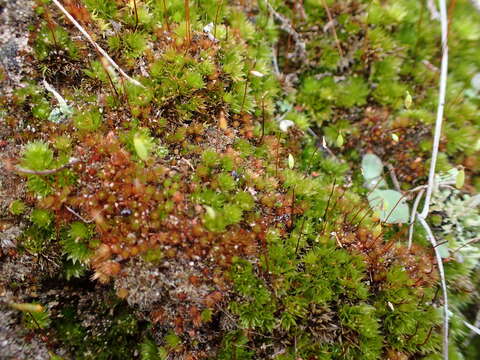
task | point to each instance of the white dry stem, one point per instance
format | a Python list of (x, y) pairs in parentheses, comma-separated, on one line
[(412, 217), (443, 283), (393, 176), (78, 215), (434, 14), (476, 4), (60, 99), (276, 69), (89, 38), (473, 331), (440, 108), (22, 170)]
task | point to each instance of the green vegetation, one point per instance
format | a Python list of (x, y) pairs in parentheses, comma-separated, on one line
[(245, 193)]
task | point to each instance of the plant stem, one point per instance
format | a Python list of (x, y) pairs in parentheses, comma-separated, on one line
[(216, 19), (136, 13), (165, 16), (89, 38), (443, 283), (187, 21), (330, 20), (440, 108)]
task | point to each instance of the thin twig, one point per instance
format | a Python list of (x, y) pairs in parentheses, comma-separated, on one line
[(441, 243), (60, 99), (394, 207), (472, 332), (300, 235), (443, 283), (45, 172), (286, 26), (136, 13), (412, 217), (78, 215), (393, 176), (89, 38), (440, 108), (187, 22), (324, 217), (469, 242), (165, 15), (330, 20), (276, 69)]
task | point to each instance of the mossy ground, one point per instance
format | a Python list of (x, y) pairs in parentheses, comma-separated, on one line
[(178, 220)]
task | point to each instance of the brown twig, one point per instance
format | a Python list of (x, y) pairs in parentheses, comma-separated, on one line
[(45, 172), (187, 22), (136, 14), (332, 21), (165, 16)]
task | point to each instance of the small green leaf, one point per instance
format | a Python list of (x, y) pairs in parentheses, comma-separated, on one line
[(390, 205), (460, 180), (291, 161), (372, 166), (340, 140), (408, 100), (206, 315), (210, 211), (443, 250), (53, 356), (28, 307), (17, 207), (143, 145)]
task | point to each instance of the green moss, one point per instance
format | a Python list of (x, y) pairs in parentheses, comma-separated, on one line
[(191, 168), (41, 218), (17, 207), (87, 120), (136, 43), (210, 158), (153, 255), (105, 9), (235, 346), (75, 243), (150, 351), (225, 182), (112, 336), (258, 311), (37, 156), (35, 320)]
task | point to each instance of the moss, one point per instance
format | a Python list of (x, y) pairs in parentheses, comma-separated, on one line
[(37, 156), (17, 207), (75, 243), (35, 320), (88, 120), (255, 239), (41, 218), (113, 335)]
